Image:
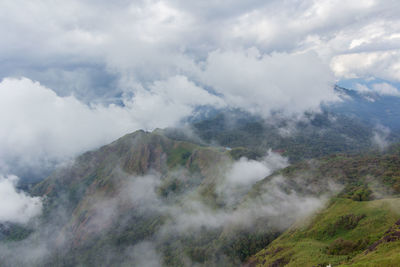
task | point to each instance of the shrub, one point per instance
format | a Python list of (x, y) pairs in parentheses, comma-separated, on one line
[(345, 247), (344, 223)]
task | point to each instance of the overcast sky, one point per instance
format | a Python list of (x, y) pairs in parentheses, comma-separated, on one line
[(77, 74)]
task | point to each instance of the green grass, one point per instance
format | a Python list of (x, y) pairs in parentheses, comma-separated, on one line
[(180, 154), (387, 255), (358, 223)]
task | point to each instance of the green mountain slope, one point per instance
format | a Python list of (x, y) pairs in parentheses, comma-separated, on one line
[(342, 234), (359, 227)]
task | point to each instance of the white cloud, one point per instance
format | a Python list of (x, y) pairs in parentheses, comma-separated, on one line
[(39, 127), (247, 172), (385, 89), (143, 254), (168, 101), (378, 64), (152, 40), (261, 83), (141, 191), (362, 88), (281, 207), (380, 137), (16, 206), (382, 89), (244, 173)]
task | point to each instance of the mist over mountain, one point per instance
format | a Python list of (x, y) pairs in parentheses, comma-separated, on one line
[(199, 133), (373, 108), (149, 199), (145, 190), (216, 191), (354, 124)]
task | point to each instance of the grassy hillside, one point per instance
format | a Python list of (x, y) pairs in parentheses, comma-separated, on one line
[(359, 227), (346, 233)]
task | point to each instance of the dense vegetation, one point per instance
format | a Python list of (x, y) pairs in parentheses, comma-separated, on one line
[(316, 136)]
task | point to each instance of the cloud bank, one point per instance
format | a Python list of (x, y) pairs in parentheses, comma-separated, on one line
[(262, 83), (16, 206), (105, 69), (381, 89), (153, 40), (40, 128)]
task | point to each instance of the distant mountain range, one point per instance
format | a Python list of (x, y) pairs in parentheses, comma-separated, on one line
[(371, 108)]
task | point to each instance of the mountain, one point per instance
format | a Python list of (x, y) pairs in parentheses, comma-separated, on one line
[(358, 227), (148, 192), (221, 193), (370, 107), (149, 200), (357, 123), (314, 136)]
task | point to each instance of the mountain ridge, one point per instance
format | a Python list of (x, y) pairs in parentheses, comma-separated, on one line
[(175, 198)]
